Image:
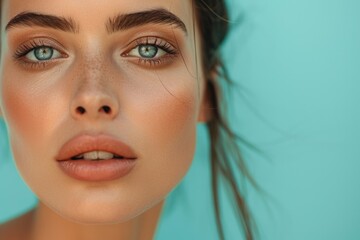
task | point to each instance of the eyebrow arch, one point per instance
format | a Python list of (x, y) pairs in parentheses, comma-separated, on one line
[(155, 16), (42, 20)]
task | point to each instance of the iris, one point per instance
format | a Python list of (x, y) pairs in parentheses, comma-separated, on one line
[(43, 53), (147, 51)]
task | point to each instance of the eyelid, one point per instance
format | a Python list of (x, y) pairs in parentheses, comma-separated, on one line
[(150, 39), (26, 47), (170, 50)]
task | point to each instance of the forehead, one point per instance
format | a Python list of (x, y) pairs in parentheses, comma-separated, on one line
[(87, 11)]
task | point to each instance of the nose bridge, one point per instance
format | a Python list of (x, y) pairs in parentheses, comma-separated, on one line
[(92, 65), (93, 96)]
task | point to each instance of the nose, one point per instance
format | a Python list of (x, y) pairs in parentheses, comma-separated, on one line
[(94, 103), (94, 96)]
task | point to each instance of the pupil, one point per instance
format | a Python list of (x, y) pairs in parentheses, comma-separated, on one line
[(43, 53), (148, 51)]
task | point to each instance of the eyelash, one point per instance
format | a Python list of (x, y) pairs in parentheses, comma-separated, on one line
[(26, 48), (170, 52)]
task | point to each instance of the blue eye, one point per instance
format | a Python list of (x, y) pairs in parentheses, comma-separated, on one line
[(147, 51), (151, 51), (42, 53)]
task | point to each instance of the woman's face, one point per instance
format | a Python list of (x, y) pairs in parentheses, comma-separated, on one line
[(89, 68)]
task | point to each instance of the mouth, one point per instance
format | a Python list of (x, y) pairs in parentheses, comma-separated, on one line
[(95, 148), (96, 156)]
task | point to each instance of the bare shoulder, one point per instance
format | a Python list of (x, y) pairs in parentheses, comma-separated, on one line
[(16, 228)]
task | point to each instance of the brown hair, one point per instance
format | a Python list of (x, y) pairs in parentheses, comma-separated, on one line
[(212, 18)]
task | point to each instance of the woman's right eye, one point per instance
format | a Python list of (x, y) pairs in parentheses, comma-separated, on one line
[(42, 53), (39, 53)]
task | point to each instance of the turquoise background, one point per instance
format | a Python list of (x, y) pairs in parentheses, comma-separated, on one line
[(297, 64)]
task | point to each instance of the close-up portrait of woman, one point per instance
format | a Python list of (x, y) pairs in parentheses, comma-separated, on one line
[(179, 120), (101, 100)]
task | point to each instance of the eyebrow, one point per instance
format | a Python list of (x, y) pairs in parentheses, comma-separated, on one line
[(155, 16), (118, 23), (42, 20)]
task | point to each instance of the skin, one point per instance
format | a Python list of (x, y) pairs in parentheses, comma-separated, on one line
[(154, 109)]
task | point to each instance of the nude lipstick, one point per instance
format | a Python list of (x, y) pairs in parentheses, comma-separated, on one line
[(96, 158)]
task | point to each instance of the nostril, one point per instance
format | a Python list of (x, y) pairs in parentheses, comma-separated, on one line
[(106, 109), (80, 110)]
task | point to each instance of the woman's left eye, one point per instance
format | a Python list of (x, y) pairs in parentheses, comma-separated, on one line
[(152, 51), (147, 51), (42, 53)]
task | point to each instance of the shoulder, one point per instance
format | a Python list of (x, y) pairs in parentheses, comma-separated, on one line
[(10, 229)]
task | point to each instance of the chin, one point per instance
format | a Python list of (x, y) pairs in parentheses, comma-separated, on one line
[(98, 218), (97, 215)]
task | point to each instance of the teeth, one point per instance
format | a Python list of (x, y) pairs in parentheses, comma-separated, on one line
[(96, 155), (105, 155), (91, 155)]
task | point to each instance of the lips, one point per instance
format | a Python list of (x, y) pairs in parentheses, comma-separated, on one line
[(83, 144)]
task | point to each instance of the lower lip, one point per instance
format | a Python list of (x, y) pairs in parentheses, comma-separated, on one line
[(101, 170)]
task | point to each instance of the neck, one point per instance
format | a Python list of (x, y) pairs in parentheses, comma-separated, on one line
[(46, 224)]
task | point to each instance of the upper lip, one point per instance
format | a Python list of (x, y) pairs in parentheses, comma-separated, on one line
[(87, 143)]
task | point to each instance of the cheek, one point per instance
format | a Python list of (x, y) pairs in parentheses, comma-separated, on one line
[(171, 129), (164, 125), (20, 114), (30, 115), (29, 107), (168, 118), (163, 114)]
